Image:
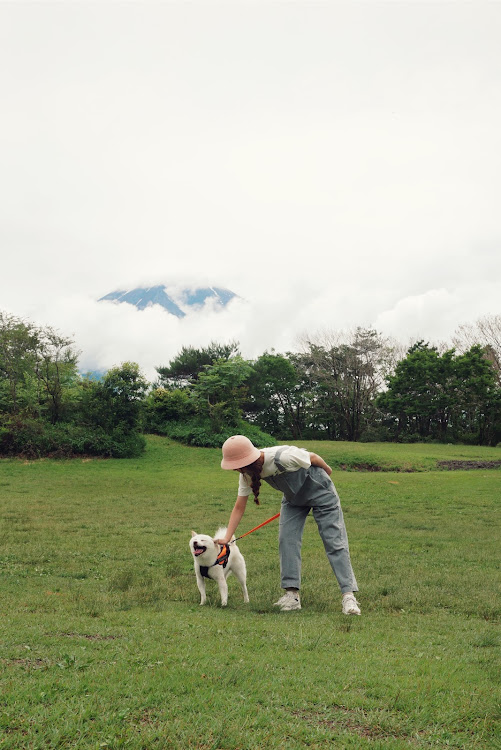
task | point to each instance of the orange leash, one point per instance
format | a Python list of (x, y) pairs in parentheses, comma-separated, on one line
[(256, 528)]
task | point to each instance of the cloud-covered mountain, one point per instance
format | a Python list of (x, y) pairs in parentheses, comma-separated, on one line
[(176, 303)]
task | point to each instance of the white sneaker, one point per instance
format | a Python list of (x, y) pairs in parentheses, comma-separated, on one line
[(281, 600), (350, 605), (289, 601)]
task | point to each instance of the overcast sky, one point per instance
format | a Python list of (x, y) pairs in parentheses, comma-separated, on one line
[(335, 164)]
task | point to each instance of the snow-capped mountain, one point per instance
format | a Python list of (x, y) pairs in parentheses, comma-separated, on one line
[(178, 303)]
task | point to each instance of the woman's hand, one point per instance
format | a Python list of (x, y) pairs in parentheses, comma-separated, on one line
[(318, 461), (221, 542)]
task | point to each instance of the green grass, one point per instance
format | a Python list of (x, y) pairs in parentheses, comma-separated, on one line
[(397, 456), (104, 645)]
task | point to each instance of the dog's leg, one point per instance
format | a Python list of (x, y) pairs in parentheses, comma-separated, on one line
[(241, 575), (223, 587), (201, 587)]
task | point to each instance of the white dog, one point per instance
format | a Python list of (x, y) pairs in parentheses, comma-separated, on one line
[(212, 561)]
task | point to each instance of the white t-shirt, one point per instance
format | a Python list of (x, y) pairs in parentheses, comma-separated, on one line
[(291, 459)]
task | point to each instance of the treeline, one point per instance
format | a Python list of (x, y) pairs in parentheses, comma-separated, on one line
[(357, 387)]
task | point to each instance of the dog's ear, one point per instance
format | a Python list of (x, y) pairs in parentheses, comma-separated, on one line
[(193, 533)]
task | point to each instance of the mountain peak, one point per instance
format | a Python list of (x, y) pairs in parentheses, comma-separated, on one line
[(176, 303)]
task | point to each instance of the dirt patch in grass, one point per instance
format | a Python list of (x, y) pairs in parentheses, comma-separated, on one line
[(27, 663), (355, 720), (87, 636), (361, 467), (374, 467), (148, 718), (454, 465), (466, 465)]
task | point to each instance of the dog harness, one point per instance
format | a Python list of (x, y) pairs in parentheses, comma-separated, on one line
[(222, 559)]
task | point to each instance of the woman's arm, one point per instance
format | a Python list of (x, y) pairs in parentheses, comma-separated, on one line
[(235, 518), (317, 461)]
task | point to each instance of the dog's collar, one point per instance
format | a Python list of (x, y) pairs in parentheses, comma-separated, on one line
[(222, 559)]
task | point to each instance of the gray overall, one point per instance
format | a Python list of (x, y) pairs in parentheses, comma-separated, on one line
[(303, 490)]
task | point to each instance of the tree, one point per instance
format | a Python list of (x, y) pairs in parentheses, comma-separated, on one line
[(345, 379), (477, 416), (115, 402), (19, 343), (486, 332), (208, 410), (56, 371), (276, 395), (419, 393), (219, 392), (185, 368), (37, 367)]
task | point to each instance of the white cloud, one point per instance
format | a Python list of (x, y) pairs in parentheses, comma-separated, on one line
[(333, 164), (437, 313)]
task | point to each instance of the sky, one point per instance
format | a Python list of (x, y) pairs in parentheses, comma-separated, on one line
[(335, 164)]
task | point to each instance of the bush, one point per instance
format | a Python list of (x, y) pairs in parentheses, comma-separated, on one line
[(33, 438), (468, 438), (198, 433), (376, 434), (163, 406), (411, 437)]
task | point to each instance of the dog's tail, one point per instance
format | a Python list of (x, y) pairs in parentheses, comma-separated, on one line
[(221, 533)]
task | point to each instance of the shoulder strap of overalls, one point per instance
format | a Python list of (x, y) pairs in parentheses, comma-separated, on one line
[(276, 459)]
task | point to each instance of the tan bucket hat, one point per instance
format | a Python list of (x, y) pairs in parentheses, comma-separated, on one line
[(238, 452)]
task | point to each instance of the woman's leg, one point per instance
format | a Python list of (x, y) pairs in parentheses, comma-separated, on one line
[(290, 536), (329, 517)]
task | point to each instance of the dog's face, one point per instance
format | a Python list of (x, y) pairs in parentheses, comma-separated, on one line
[(200, 543)]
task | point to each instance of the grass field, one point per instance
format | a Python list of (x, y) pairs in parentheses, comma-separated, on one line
[(104, 645)]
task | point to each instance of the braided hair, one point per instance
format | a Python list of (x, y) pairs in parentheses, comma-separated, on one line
[(253, 470)]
